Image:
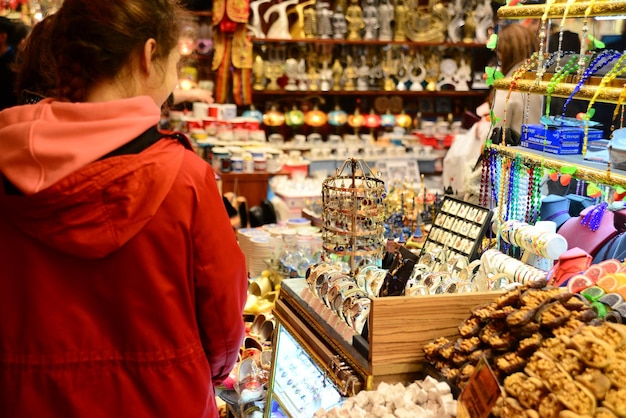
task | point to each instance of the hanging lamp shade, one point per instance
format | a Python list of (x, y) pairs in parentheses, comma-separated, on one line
[(356, 120), (372, 120), (294, 118), (388, 121), (273, 117), (403, 120), (253, 113), (337, 117), (315, 117)]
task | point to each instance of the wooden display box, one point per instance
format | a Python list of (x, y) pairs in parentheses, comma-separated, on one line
[(399, 328)]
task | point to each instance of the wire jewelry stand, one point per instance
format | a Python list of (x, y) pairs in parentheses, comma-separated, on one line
[(353, 214)]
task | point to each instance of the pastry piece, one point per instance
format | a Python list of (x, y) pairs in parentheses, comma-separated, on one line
[(533, 391), (503, 312), (459, 358), (593, 351), (526, 330), (475, 356), (520, 317), (597, 382), (553, 347), (451, 374), (615, 400), (538, 284), (534, 298), (570, 361), (553, 315), (613, 334), (470, 327), (510, 363), (491, 329), (484, 312), (510, 298), (550, 406), (466, 371), (576, 303), (501, 341), (431, 350), (616, 373), (513, 384), (529, 345), (447, 350), (467, 345), (577, 398)]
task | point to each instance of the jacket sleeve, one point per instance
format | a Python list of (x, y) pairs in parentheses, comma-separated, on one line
[(221, 280)]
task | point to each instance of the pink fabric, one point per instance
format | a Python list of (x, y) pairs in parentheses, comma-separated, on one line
[(42, 143), (581, 236)]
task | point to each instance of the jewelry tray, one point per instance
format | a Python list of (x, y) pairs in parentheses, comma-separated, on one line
[(458, 228)]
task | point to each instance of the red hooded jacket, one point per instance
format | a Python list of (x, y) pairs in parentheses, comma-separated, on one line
[(121, 283)]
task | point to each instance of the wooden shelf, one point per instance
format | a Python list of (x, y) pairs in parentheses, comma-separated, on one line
[(577, 9), (595, 172), (366, 43), (609, 94)]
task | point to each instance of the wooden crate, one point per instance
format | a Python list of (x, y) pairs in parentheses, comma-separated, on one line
[(400, 327)]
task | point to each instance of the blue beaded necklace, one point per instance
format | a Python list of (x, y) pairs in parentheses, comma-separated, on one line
[(599, 62)]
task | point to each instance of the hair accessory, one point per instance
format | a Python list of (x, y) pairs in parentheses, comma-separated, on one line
[(593, 218)]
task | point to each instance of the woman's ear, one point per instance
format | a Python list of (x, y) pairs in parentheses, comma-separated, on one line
[(149, 48)]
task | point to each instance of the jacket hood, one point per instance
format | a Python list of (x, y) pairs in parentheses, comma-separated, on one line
[(72, 201)]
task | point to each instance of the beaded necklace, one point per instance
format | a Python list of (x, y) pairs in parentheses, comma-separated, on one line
[(599, 62), (484, 179), (619, 106), (538, 174), (529, 198), (517, 74), (585, 31), (571, 66), (542, 38), (617, 70), (562, 28), (593, 218)]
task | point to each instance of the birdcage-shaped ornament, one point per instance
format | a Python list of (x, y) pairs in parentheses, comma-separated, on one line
[(353, 215)]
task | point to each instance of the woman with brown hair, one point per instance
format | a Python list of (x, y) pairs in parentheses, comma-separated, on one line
[(516, 44), (122, 285)]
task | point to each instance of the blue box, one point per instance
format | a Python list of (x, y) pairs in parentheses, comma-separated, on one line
[(563, 141)]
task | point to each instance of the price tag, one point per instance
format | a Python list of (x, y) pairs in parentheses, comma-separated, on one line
[(480, 393)]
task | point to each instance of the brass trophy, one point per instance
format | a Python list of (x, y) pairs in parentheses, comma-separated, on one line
[(273, 71)]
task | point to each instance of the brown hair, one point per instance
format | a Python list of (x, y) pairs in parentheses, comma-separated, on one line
[(91, 41), (515, 44)]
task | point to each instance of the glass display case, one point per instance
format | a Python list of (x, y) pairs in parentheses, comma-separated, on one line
[(298, 387)]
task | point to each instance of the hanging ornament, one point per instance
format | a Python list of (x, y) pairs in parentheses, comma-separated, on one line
[(356, 121), (273, 117), (372, 121), (388, 121), (315, 117), (403, 120), (294, 118), (253, 113), (337, 117)]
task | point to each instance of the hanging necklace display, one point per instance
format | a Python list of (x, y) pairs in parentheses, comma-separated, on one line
[(542, 39), (618, 69), (353, 215), (585, 36)]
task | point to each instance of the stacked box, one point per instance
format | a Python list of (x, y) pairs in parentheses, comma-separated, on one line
[(562, 141)]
